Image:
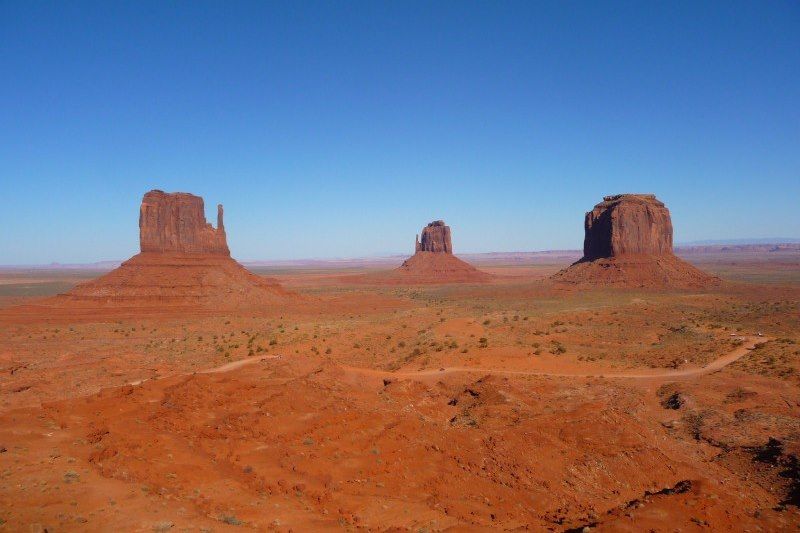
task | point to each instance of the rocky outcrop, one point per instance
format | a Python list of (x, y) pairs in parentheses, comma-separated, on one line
[(627, 224), (433, 261), (628, 243), (176, 223), (184, 265), (435, 238)]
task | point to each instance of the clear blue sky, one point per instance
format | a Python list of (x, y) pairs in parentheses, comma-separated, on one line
[(340, 128)]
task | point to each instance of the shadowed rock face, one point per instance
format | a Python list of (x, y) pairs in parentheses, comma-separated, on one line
[(176, 223), (435, 238), (628, 243), (627, 224)]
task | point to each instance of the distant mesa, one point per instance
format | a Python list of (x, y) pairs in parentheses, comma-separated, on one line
[(627, 224), (435, 238), (184, 262), (433, 260), (628, 243)]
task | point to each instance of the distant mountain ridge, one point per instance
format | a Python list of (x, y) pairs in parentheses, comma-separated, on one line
[(544, 256), (766, 240)]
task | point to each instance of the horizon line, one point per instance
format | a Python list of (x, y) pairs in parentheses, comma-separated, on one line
[(389, 255)]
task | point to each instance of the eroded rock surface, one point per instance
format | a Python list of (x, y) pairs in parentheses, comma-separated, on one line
[(176, 223), (435, 238), (626, 224), (628, 243)]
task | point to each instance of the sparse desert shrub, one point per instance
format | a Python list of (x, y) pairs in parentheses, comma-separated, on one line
[(557, 348), (230, 519)]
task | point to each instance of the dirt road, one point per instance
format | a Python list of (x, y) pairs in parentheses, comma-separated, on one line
[(718, 364), (655, 373)]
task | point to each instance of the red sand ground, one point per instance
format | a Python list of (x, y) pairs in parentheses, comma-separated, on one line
[(331, 411)]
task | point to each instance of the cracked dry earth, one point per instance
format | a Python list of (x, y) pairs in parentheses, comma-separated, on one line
[(342, 425)]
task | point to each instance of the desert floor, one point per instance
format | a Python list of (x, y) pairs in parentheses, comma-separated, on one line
[(506, 405)]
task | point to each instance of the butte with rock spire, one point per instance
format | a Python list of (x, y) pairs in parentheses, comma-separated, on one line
[(433, 260), (184, 262)]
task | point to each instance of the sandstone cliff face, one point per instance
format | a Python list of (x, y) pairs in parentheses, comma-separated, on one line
[(627, 224), (176, 223), (435, 238), (628, 243)]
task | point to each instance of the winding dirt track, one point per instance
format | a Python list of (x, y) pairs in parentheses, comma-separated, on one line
[(715, 365)]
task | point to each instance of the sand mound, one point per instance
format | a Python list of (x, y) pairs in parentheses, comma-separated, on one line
[(635, 271), (156, 279), (433, 262), (427, 268), (437, 266)]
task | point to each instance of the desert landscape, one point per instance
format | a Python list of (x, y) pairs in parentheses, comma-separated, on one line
[(378, 266), (629, 391)]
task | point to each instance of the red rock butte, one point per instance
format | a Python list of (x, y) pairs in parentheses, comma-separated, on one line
[(184, 262), (435, 238), (433, 260), (176, 222), (628, 243)]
